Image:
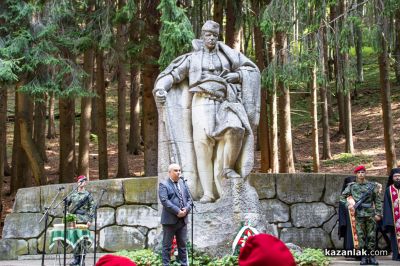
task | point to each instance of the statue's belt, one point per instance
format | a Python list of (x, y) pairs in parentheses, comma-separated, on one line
[(210, 89)]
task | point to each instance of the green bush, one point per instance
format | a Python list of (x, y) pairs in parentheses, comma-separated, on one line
[(70, 217), (310, 257), (146, 257), (143, 257)]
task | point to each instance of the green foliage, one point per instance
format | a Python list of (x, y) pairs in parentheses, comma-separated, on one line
[(277, 17), (41, 50), (8, 69), (176, 32), (311, 257), (126, 13), (94, 138), (143, 257), (147, 257), (70, 217)]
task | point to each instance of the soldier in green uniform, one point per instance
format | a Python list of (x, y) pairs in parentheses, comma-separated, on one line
[(82, 204), (368, 209)]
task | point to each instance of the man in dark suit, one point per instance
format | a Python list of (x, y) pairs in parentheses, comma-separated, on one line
[(176, 201)]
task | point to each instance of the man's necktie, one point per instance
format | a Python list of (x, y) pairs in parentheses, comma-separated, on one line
[(179, 195)]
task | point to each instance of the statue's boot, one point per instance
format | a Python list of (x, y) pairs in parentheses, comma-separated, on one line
[(229, 173), (207, 199)]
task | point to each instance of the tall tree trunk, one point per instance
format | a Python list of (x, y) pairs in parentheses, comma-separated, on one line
[(383, 60), (218, 15), (67, 140), (101, 116), (358, 44), (345, 88), (94, 124), (6, 170), (21, 175), (3, 137), (314, 115), (150, 72), (122, 74), (134, 132), (263, 127), (326, 143), (51, 127), (40, 127), (273, 114), (339, 72), (196, 15), (234, 28), (14, 181), (273, 103), (396, 52), (31, 151), (86, 111), (135, 103), (40, 134), (348, 123), (285, 129)]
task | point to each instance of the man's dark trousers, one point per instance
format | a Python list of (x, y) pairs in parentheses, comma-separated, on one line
[(180, 230)]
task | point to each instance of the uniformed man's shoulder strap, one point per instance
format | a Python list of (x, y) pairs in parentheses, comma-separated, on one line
[(350, 184)]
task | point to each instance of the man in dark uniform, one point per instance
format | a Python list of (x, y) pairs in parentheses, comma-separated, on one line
[(81, 203), (176, 201), (391, 212), (367, 209)]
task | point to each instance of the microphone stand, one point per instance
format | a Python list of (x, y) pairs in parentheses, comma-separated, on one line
[(46, 218), (64, 200), (192, 211), (95, 224)]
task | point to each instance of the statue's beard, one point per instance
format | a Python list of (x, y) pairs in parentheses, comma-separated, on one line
[(397, 184)]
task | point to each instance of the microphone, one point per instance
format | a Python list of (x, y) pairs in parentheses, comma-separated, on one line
[(183, 178), (103, 190), (60, 188)]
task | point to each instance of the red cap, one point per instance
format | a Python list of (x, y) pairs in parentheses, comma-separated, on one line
[(265, 250), (359, 168), (80, 177), (112, 260)]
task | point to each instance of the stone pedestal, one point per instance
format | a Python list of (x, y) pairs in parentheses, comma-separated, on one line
[(216, 224)]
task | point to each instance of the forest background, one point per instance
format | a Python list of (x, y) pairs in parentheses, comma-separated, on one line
[(76, 80)]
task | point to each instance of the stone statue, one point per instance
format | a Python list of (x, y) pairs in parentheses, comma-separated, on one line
[(208, 102)]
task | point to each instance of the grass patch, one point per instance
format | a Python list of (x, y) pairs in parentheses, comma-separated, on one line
[(347, 158)]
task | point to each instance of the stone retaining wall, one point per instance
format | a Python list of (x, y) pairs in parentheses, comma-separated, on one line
[(303, 208), (299, 208)]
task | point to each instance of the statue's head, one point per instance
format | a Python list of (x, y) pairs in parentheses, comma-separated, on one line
[(210, 33)]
